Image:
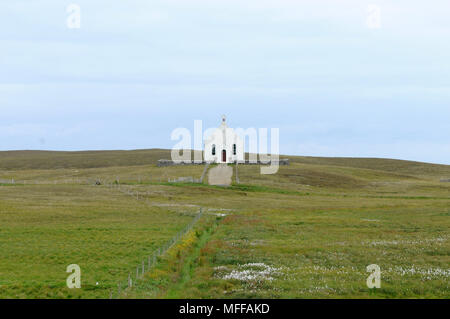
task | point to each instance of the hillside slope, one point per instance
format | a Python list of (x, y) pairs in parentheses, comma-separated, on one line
[(22, 160), (315, 225)]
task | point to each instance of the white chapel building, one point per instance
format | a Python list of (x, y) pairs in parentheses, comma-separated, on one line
[(224, 146)]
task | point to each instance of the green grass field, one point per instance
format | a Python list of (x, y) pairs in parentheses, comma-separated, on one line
[(308, 231)]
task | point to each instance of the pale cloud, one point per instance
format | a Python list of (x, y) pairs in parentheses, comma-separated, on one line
[(137, 69)]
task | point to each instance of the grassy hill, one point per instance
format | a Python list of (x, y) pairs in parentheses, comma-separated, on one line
[(84, 159), (389, 165), (308, 231), (15, 160)]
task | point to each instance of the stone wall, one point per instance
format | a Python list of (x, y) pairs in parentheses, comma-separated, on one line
[(187, 179), (165, 162)]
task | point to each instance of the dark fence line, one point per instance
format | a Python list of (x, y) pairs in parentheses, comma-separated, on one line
[(151, 261)]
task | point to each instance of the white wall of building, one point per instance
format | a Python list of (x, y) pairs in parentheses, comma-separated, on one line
[(224, 139)]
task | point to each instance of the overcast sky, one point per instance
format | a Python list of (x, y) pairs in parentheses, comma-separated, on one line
[(333, 77)]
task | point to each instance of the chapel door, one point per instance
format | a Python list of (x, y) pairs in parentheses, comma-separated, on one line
[(224, 156)]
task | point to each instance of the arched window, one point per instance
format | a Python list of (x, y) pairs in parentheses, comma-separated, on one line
[(213, 149), (234, 149)]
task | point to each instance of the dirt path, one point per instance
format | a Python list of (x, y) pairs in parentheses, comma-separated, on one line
[(220, 175)]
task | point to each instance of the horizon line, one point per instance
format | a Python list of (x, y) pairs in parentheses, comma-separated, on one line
[(166, 149)]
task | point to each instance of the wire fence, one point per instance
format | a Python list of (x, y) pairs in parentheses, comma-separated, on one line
[(151, 261), (141, 179)]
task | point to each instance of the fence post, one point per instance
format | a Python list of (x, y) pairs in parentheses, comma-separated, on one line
[(130, 281), (143, 268)]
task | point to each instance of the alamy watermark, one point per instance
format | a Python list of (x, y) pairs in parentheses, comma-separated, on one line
[(374, 279), (227, 145), (74, 279), (373, 16), (73, 20)]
